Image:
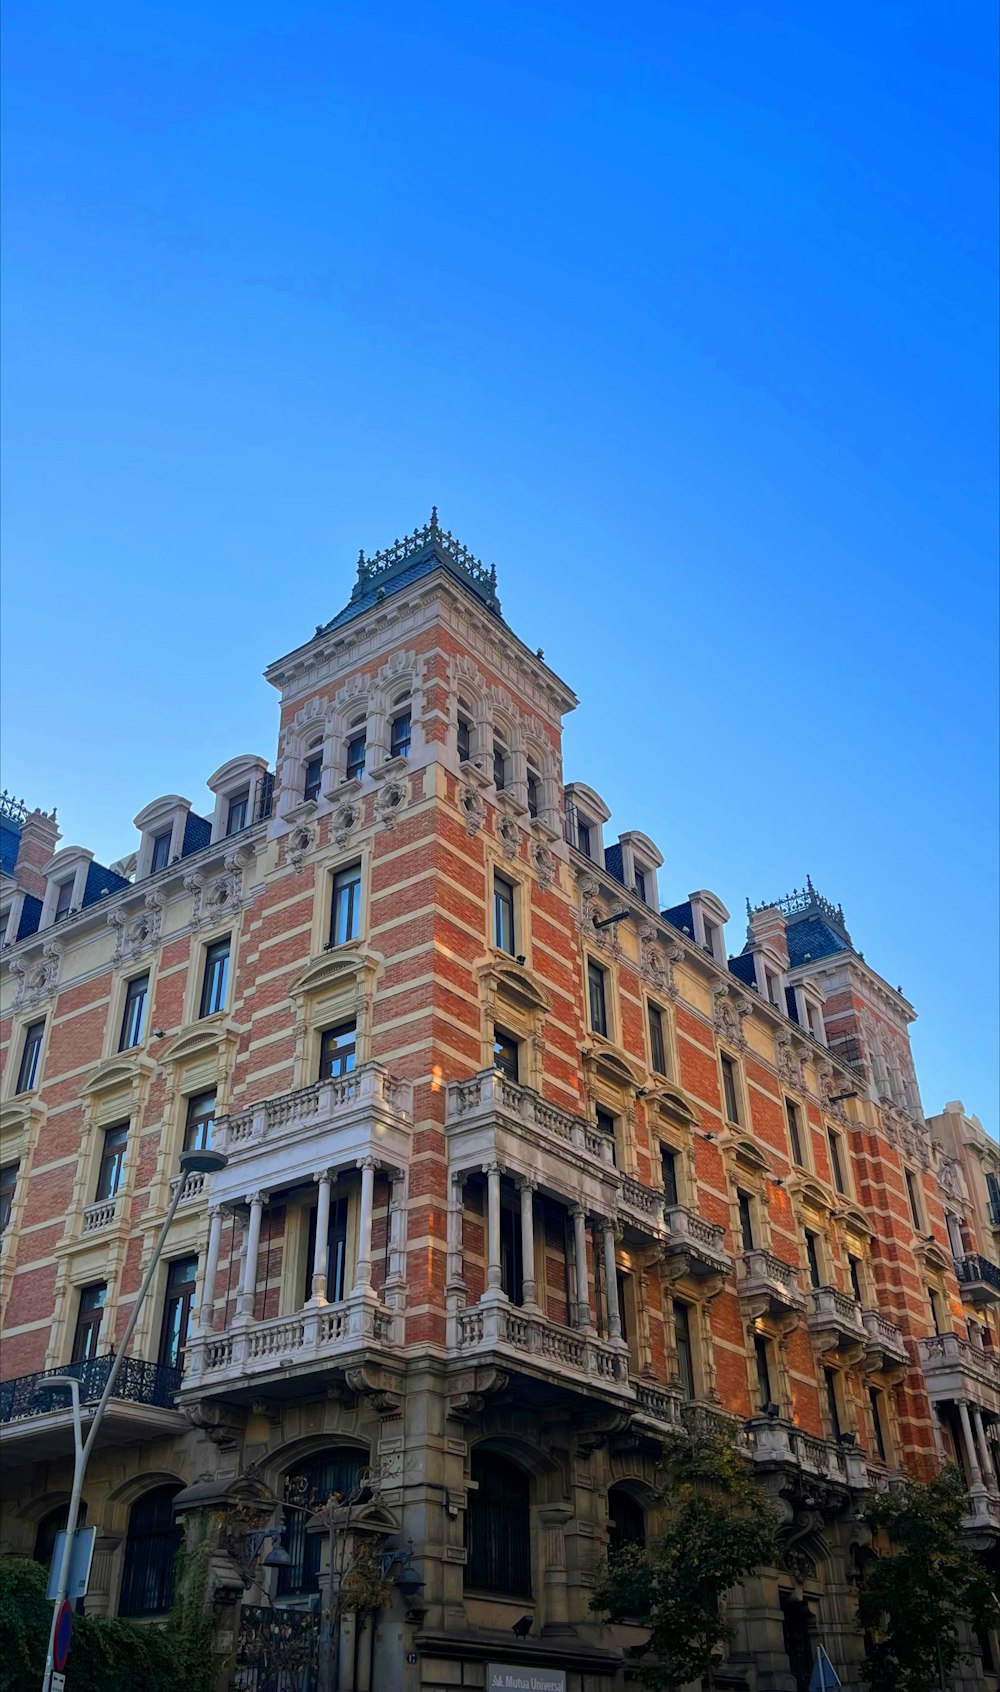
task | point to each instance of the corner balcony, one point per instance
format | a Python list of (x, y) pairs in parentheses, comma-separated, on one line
[(284, 1141), (978, 1279), (551, 1353), (320, 1342), (489, 1119), (836, 1324), (885, 1347), (767, 1286), (776, 1444), (36, 1424), (956, 1370), (693, 1246)]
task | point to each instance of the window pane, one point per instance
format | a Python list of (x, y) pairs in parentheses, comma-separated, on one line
[(338, 1048), (836, 1163), (763, 1371), (161, 853), (399, 735), (64, 900), (330, 1472), (598, 1004), (8, 1187), (831, 1402), (812, 1255), (88, 1322), (685, 1367), (792, 1117), (499, 767), (150, 1548), (668, 1167), (313, 777), (213, 991), (640, 885), (505, 1054), (497, 1528), (657, 1049), (583, 839), (27, 1075), (746, 1221), (356, 756), (729, 1089), (855, 1272), (345, 918), (503, 915), (534, 790), (134, 1015), (199, 1122), (239, 805), (181, 1276), (464, 739), (109, 1176)]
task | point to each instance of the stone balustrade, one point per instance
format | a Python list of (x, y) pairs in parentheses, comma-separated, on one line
[(100, 1215), (884, 1337), (491, 1091), (288, 1343), (766, 1281), (495, 1325)]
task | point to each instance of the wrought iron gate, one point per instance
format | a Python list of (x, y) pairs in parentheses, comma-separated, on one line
[(277, 1650)]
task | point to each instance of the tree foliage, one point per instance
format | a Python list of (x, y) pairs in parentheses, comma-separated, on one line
[(715, 1527), (913, 1598), (105, 1652)]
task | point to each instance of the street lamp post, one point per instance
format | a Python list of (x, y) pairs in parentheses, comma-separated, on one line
[(192, 1163)]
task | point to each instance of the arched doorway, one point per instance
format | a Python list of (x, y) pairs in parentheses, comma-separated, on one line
[(151, 1545)]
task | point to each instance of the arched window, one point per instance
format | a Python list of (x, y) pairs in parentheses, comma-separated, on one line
[(354, 766), (498, 1528), (150, 1548), (51, 1525), (628, 1520), (328, 1472)]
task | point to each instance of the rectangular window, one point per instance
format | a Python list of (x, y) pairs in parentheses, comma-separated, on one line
[(730, 1096), (505, 1054), (134, 1014), (336, 1252), (875, 1401), (89, 1316), (356, 756), (511, 1260), (598, 1001), (833, 1409), (161, 852), (199, 1122), (836, 1162), (534, 793), (771, 984), (338, 1050), (794, 1121), (503, 915), (215, 979), (640, 886), (934, 1300), (27, 1075), (668, 1171), (399, 735), (464, 739), (345, 912), (911, 1194), (711, 930), (499, 766), (109, 1175), (181, 1276), (854, 1269), (64, 900), (605, 1123), (745, 1203), (685, 1356), (239, 808), (812, 1257), (8, 1187), (583, 838), (657, 1044), (764, 1397), (313, 776)]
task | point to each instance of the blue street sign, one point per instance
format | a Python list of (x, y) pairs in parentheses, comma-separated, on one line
[(824, 1676)]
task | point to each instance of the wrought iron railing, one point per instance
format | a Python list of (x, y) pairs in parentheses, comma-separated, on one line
[(263, 797), (277, 1649), (138, 1382), (974, 1268), (14, 809)]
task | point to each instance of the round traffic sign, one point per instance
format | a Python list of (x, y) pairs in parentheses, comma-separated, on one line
[(60, 1644)]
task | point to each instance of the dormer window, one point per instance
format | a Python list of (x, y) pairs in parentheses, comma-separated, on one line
[(355, 767), (501, 766), (711, 939), (399, 735), (160, 857), (238, 813), (464, 737), (640, 886), (64, 900), (313, 774)]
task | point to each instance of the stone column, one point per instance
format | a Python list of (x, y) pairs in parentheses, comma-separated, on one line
[(707, 1350), (206, 1309), (611, 1280), (583, 1316), (494, 1274), (251, 1247), (395, 1281), (363, 1273), (985, 1460), (321, 1249), (528, 1293), (975, 1476), (554, 1518), (456, 1240)]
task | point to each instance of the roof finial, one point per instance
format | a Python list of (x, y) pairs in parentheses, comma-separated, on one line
[(809, 884), (361, 565), (434, 516), (749, 910)]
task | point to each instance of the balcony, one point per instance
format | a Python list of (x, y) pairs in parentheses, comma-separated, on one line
[(780, 1445), (978, 1279), (693, 1246), (641, 1207), (885, 1347), (836, 1324), (36, 1424), (251, 1355), (545, 1349), (954, 1369), (767, 1286), (490, 1119), (284, 1141), (101, 1215)]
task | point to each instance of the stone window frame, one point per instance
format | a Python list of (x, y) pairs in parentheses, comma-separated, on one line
[(227, 928), (335, 988), (322, 917), (513, 998), (748, 1170), (69, 864), (171, 812), (708, 907), (227, 783), (124, 973), (20, 1024), (588, 807)]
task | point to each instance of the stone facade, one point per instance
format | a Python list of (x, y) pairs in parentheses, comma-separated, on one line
[(583, 1179)]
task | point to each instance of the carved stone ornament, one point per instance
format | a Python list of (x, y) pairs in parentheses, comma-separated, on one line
[(728, 1013), (509, 836), (592, 910), (221, 1423), (378, 1389), (544, 865), (137, 933), (346, 818), (473, 809), (791, 1060), (36, 979), (483, 1385), (948, 1178), (300, 843), (390, 801)]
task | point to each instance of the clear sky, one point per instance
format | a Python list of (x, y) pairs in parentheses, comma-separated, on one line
[(683, 314)]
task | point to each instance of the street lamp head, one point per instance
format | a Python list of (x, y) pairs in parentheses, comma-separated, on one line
[(408, 1584), (202, 1162), (277, 1558), (47, 1385)]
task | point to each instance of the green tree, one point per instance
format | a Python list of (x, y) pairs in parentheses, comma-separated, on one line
[(104, 1653), (913, 1598), (716, 1527)]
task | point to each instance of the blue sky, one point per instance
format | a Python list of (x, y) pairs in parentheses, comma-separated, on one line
[(682, 314)]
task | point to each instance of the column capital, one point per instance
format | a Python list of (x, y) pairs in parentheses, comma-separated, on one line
[(257, 1198), (218, 1210), (494, 1168), (327, 1175), (367, 1163), (526, 1183), (578, 1210)]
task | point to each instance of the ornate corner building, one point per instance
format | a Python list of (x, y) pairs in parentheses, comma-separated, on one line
[(525, 1174)]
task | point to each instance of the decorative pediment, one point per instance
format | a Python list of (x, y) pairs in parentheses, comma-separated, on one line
[(199, 1040), (933, 1256), (852, 1222), (334, 969), (810, 1196), (520, 986), (118, 1073), (747, 1154), (673, 1103), (611, 1064), (16, 1119)]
